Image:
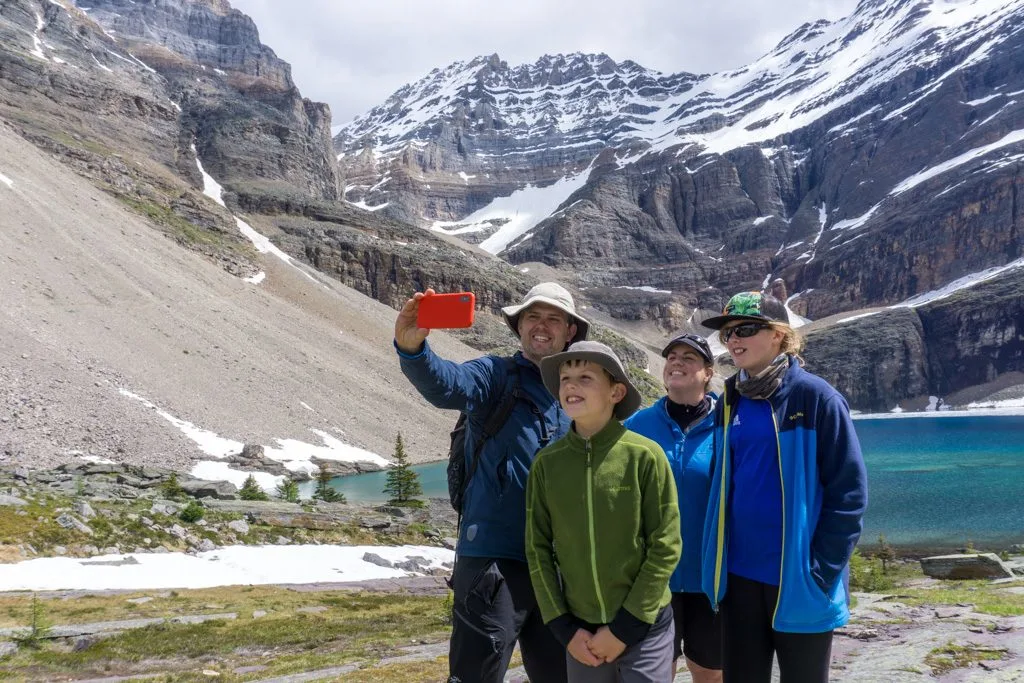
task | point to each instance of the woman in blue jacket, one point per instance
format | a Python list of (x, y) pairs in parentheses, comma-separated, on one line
[(788, 492), (682, 423)]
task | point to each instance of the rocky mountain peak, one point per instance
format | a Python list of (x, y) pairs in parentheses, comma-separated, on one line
[(207, 33)]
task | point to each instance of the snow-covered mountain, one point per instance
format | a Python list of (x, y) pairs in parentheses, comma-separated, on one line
[(862, 161), (592, 102)]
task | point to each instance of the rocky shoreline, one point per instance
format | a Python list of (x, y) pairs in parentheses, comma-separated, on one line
[(88, 509)]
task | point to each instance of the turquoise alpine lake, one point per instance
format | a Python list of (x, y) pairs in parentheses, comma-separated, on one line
[(932, 481)]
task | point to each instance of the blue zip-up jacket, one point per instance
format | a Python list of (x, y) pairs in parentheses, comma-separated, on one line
[(494, 507), (824, 495), (689, 456)]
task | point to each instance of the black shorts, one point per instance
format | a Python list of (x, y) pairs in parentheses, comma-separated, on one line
[(698, 630)]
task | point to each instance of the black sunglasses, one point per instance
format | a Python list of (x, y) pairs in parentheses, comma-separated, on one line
[(743, 331)]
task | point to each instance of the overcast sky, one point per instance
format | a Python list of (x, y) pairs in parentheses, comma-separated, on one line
[(354, 55)]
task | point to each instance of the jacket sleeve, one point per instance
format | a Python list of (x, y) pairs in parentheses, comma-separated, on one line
[(540, 548), (450, 385), (845, 482), (660, 510)]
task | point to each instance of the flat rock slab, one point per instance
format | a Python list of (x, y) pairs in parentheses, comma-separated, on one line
[(319, 675), (121, 679), (416, 585), (974, 566), (100, 627), (417, 653)]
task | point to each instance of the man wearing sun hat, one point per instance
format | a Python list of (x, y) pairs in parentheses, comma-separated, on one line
[(494, 604)]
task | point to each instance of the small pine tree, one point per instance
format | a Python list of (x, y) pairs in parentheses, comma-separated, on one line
[(252, 491), (288, 490), (171, 488), (38, 629), (403, 484), (885, 553), (324, 491), (191, 513)]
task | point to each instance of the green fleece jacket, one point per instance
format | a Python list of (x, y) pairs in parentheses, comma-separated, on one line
[(602, 512)]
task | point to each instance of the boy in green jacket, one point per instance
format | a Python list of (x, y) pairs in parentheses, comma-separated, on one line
[(601, 513)]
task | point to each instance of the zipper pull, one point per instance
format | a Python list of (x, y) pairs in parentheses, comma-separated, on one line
[(588, 454)]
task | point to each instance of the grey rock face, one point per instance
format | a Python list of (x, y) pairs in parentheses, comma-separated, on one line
[(237, 98), (109, 108), (936, 349)]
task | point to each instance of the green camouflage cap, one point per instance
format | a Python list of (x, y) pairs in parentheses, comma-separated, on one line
[(752, 307)]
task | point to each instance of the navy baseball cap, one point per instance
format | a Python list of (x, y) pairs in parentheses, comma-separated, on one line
[(694, 341)]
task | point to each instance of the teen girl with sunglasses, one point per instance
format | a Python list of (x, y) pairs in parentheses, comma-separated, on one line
[(788, 492)]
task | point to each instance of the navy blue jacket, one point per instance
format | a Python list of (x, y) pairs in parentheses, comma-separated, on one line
[(824, 495), (494, 508)]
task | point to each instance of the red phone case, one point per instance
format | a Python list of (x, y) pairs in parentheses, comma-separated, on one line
[(439, 311)]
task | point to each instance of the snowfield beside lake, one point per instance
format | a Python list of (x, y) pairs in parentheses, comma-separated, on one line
[(229, 566)]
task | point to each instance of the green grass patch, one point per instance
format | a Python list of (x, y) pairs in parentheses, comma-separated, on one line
[(177, 226), (355, 627), (986, 598), (952, 656)]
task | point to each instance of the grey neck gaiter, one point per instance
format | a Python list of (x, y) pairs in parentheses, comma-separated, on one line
[(765, 383)]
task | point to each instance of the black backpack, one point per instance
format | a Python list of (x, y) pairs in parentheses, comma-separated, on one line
[(458, 477)]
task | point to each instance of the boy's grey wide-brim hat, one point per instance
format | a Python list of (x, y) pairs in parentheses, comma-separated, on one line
[(595, 352), (554, 295)]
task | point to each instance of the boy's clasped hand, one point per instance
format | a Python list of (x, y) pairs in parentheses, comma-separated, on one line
[(595, 649)]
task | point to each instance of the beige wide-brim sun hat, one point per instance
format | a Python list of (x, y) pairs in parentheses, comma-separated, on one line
[(595, 352), (554, 295)]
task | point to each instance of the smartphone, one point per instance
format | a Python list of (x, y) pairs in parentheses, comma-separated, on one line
[(446, 310)]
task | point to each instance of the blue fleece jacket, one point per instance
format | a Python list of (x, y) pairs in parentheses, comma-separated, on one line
[(689, 456), (824, 495), (494, 508)]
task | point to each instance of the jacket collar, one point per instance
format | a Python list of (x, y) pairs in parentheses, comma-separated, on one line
[(601, 441), (662, 410)]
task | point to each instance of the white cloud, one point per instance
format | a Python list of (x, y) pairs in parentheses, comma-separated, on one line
[(354, 58)]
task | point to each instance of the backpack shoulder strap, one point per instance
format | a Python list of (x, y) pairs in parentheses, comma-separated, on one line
[(499, 416), (513, 392)]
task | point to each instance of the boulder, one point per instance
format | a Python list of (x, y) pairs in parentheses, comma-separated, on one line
[(200, 488), (165, 507), (239, 526), (973, 566), (253, 459), (70, 522), (376, 559), (84, 510)]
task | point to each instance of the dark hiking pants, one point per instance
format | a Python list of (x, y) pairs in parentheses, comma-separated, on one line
[(494, 607), (749, 641)]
